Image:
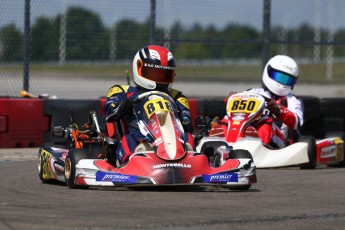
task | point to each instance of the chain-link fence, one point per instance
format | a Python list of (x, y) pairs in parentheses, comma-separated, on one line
[(77, 48)]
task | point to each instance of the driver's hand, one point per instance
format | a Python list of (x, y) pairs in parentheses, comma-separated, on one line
[(127, 106), (274, 107)]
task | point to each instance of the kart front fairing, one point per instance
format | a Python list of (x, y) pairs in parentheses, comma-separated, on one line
[(243, 110), (158, 122)]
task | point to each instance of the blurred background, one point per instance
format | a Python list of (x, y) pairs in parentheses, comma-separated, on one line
[(79, 48)]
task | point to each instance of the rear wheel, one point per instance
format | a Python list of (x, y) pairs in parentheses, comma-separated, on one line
[(72, 159), (310, 140)]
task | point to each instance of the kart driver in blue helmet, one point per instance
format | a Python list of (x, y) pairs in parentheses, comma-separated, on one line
[(281, 126)]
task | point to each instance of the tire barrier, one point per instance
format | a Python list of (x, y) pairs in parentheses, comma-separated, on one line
[(22, 122), (327, 115), (214, 107), (29, 122), (333, 110), (313, 122)]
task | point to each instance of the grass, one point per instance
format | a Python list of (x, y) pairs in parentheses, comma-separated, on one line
[(196, 71)]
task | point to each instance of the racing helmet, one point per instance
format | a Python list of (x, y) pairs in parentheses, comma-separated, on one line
[(154, 68), (280, 75)]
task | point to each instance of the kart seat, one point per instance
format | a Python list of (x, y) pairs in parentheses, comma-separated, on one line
[(117, 129)]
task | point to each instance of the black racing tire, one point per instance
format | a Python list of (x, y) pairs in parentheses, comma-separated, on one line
[(310, 140), (311, 107), (341, 135), (239, 154), (40, 167), (216, 162), (332, 107), (73, 157)]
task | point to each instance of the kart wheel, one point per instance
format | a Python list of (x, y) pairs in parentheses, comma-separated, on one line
[(217, 159), (71, 161), (40, 167), (310, 140), (239, 154)]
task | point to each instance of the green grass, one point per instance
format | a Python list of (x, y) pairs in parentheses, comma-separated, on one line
[(309, 73)]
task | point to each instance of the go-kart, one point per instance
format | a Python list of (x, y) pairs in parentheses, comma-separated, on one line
[(88, 157), (243, 110)]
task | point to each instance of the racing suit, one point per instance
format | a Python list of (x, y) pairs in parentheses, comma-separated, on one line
[(280, 124), (117, 103)]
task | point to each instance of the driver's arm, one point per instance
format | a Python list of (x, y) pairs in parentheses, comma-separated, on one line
[(183, 106), (292, 116), (117, 102)]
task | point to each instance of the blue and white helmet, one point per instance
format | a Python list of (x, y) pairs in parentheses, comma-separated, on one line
[(280, 75)]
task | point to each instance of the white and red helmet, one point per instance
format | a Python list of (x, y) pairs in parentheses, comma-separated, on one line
[(280, 75), (154, 68)]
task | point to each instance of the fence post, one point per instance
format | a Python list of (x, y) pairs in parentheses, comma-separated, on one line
[(266, 32), (153, 22), (26, 52)]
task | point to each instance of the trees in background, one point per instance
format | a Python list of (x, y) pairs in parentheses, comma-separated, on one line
[(88, 39), (11, 43)]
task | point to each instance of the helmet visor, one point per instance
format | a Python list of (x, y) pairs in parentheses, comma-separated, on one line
[(162, 74), (281, 77)]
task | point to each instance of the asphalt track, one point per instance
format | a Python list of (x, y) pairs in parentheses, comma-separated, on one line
[(287, 198)]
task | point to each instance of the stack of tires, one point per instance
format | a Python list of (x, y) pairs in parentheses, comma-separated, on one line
[(322, 116)]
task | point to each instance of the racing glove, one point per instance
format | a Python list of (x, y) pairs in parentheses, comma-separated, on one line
[(120, 109), (126, 106), (275, 108), (282, 113)]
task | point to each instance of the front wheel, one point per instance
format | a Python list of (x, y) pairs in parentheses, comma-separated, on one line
[(41, 169), (73, 157)]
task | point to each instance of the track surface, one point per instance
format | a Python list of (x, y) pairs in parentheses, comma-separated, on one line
[(287, 198)]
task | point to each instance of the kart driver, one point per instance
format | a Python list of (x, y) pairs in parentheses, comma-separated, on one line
[(282, 124), (153, 69)]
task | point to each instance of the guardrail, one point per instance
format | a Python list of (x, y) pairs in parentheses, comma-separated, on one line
[(28, 122)]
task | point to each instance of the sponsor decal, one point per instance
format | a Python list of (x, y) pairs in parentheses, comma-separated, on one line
[(115, 177), (114, 90), (238, 117), (184, 102), (328, 152), (158, 66), (220, 178), (172, 165)]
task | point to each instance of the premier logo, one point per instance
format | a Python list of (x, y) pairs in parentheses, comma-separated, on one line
[(115, 177), (221, 178), (225, 177)]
